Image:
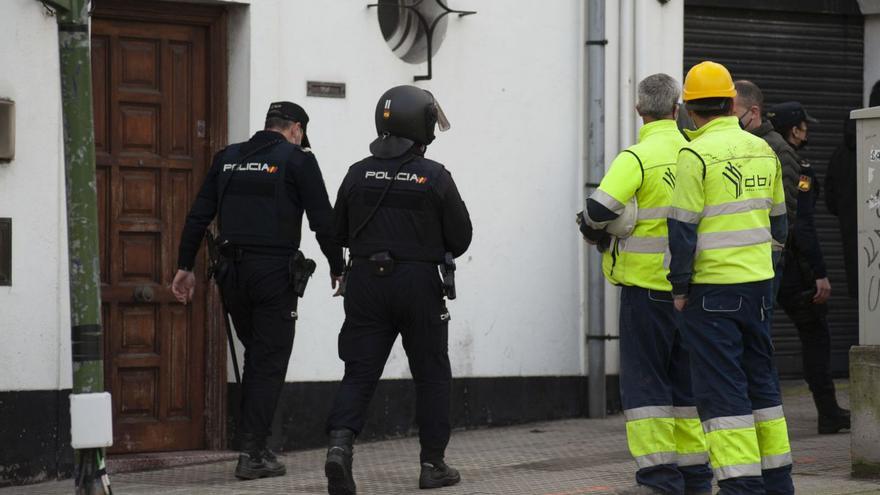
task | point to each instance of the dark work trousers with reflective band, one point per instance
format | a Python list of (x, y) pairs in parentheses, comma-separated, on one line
[(727, 332), (409, 302), (812, 326), (257, 293), (663, 429)]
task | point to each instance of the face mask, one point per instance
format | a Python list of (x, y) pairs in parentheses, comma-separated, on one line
[(742, 125)]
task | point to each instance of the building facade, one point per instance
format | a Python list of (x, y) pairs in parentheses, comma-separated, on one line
[(174, 82)]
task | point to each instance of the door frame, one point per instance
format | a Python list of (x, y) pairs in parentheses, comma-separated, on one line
[(214, 19)]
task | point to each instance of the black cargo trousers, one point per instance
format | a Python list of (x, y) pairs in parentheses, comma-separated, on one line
[(410, 302), (795, 294), (257, 293)]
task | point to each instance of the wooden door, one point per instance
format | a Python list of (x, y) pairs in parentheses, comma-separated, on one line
[(150, 102)]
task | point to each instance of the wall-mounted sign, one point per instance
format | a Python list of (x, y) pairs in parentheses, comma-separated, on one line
[(5, 251), (7, 130), (325, 89)]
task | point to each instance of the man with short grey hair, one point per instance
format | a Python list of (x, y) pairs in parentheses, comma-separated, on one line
[(663, 430), (658, 96)]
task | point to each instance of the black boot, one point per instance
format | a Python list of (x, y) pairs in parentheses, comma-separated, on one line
[(338, 465), (832, 417), (437, 474), (834, 422), (256, 461)]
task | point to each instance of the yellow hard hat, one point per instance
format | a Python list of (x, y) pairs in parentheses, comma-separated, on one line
[(708, 80)]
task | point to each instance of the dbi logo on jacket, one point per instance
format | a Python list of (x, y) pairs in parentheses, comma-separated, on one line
[(250, 167), (737, 182)]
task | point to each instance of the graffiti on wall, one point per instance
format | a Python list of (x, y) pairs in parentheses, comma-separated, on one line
[(871, 247)]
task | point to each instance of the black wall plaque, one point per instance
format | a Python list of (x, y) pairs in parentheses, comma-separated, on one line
[(5, 251), (325, 89)]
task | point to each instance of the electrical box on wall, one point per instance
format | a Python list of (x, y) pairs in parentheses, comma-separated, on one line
[(7, 130), (91, 420)]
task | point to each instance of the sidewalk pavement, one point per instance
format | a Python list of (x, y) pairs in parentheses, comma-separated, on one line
[(570, 457)]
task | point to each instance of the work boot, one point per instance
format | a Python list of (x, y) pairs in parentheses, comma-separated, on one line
[(256, 461), (338, 465), (834, 422), (437, 474)]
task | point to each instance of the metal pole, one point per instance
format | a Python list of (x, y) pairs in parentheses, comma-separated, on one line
[(595, 307), (82, 223)]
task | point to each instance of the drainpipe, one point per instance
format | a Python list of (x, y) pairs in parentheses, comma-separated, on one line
[(595, 169), (82, 223), (627, 75)]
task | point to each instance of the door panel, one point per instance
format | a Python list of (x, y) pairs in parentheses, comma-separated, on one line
[(150, 94)]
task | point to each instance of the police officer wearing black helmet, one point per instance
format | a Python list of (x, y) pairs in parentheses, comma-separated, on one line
[(259, 190), (399, 213)]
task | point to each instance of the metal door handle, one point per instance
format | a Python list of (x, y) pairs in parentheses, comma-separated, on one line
[(143, 293)]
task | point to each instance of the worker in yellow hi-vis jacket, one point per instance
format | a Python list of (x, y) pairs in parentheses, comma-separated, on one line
[(727, 207), (663, 429)]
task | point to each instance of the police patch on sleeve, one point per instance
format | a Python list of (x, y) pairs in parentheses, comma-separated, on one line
[(805, 183)]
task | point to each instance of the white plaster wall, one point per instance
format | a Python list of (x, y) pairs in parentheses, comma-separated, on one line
[(644, 38), (239, 72), (510, 80), (512, 85), (34, 311)]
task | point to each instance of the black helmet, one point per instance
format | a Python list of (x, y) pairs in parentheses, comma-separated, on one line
[(405, 116)]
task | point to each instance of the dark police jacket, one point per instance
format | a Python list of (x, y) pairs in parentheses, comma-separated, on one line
[(801, 191), (421, 218), (840, 196), (261, 200)]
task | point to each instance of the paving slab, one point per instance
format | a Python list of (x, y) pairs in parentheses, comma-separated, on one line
[(568, 457)]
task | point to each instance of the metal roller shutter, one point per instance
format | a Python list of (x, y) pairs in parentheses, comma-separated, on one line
[(810, 51)]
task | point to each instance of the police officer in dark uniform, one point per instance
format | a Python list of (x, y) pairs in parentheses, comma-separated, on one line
[(804, 288), (400, 214), (259, 189)]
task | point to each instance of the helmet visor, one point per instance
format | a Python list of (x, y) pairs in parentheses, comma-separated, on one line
[(442, 121)]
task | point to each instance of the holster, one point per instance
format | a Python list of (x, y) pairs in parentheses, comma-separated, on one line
[(300, 270), (218, 264), (221, 270), (447, 273), (343, 284)]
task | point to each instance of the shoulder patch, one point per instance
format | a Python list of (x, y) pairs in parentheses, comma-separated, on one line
[(805, 183)]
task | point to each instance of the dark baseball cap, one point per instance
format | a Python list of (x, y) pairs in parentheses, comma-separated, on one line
[(789, 114), (290, 111)]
